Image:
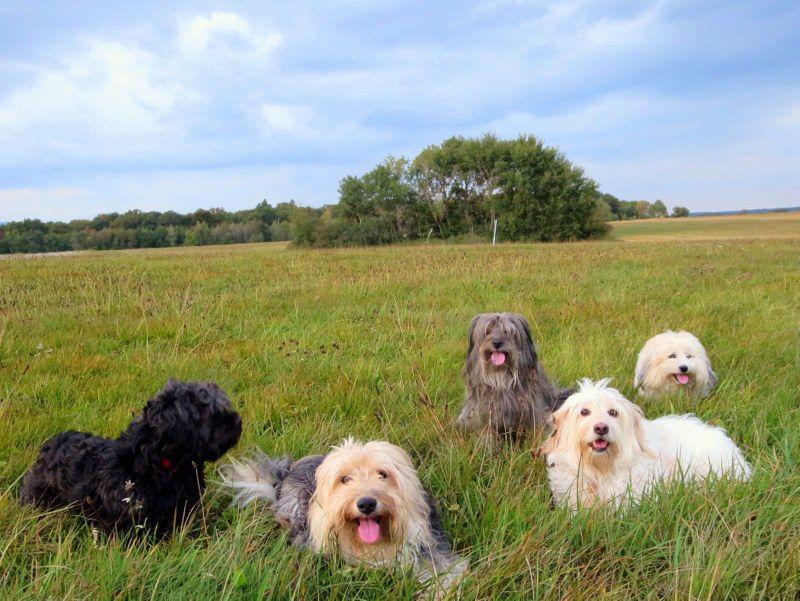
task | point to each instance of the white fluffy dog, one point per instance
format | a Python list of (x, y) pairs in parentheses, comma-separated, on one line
[(672, 362), (603, 450)]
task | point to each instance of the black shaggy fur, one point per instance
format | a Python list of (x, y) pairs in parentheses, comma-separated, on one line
[(152, 475)]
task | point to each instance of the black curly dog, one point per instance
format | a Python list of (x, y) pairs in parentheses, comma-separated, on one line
[(152, 475)]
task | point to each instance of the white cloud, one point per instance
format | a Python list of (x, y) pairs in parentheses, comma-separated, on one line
[(115, 101), (225, 34), (787, 120), (285, 118), (109, 101), (109, 85)]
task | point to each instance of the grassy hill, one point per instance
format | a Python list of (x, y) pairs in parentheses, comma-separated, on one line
[(313, 346)]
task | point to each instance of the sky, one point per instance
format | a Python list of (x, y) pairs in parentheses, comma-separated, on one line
[(156, 106)]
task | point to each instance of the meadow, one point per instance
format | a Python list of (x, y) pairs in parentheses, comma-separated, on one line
[(712, 227), (313, 346)]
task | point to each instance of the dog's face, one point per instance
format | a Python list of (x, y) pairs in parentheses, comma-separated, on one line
[(195, 420), (368, 501), (500, 345), (595, 427), (672, 362)]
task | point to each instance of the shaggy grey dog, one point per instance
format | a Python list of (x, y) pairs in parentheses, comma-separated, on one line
[(508, 393), (362, 502), (152, 475)]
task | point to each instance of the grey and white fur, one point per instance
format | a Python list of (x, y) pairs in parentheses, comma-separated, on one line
[(320, 500)]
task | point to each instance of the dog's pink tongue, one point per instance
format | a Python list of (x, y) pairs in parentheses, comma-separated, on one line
[(369, 530), (498, 358), (683, 378), (600, 444)]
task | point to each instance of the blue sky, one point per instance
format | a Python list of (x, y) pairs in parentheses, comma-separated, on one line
[(186, 105)]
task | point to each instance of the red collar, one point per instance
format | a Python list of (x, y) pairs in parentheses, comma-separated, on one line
[(167, 465)]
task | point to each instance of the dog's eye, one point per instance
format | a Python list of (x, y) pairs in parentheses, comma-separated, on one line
[(688, 356), (585, 412), (383, 475), (613, 412), (673, 356), (346, 479), (487, 331)]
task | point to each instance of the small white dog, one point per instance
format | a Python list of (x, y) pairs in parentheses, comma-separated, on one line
[(603, 450), (672, 362)]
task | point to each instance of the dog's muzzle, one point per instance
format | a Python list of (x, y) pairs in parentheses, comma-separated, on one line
[(683, 376), (369, 526), (497, 356), (600, 444)]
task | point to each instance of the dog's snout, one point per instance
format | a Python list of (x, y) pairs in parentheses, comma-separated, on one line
[(684, 368), (601, 429), (366, 505), (497, 343)]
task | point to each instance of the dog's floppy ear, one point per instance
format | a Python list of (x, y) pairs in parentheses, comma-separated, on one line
[(470, 370), (472, 325), (526, 343), (472, 359), (643, 363), (526, 329), (712, 375), (523, 325), (552, 442), (638, 431)]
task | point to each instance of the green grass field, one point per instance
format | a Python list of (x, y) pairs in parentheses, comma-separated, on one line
[(313, 346)]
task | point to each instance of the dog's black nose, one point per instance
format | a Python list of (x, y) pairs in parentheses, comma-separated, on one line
[(497, 343), (366, 505), (683, 368), (601, 429)]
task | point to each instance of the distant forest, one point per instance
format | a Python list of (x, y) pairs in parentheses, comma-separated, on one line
[(452, 191), (139, 229)]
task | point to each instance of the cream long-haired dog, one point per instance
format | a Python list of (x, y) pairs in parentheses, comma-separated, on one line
[(674, 362), (362, 501), (507, 391), (603, 450)]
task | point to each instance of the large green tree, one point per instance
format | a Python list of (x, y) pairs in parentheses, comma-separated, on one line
[(459, 187), (544, 197), (382, 204)]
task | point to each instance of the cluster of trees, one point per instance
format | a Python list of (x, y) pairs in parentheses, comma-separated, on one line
[(614, 209), (458, 189), (455, 190), (137, 229)]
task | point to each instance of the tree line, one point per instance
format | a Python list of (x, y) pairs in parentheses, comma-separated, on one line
[(455, 190), (614, 209), (152, 229)]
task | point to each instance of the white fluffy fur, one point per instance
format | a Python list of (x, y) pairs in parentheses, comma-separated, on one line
[(639, 454), (332, 511), (666, 356), (247, 484)]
